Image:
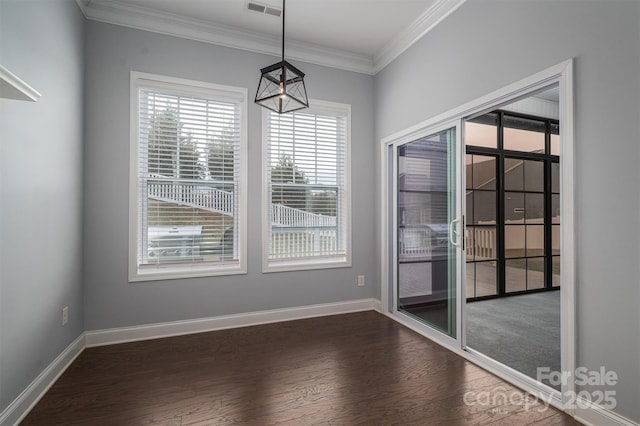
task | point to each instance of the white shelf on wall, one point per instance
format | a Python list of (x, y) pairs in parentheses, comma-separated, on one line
[(12, 87)]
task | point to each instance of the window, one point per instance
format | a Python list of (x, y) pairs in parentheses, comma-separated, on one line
[(188, 177), (306, 188)]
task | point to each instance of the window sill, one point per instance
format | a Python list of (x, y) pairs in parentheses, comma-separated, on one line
[(173, 272), (287, 265)]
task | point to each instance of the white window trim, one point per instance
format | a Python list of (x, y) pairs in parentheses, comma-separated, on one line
[(316, 106), (193, 270)]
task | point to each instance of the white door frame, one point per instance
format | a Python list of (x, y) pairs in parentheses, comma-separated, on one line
[(561, 74)]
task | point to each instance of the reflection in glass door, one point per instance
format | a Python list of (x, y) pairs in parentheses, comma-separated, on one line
[(427, 230)]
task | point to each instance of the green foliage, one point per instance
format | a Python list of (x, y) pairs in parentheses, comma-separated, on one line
[(324, 202), (170, 152), (163, 133), (286, 172), (189, 165), (220, 159)]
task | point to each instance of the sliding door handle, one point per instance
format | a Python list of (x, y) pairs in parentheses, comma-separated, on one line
[(453, 231)]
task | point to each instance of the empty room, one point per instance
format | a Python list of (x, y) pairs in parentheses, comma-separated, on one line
[(319, 212)]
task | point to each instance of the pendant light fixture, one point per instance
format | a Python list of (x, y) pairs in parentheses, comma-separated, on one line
[(281, 88)]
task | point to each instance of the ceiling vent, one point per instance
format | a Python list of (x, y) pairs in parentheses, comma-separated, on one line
[(266, 9)]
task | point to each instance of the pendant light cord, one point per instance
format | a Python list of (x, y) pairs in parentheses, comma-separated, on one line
[(283, 8)]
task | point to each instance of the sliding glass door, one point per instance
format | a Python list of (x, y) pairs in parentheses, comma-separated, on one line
[(477, 219), (428, 229)]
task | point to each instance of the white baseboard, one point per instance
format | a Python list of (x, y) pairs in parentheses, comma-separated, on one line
[(376, 305), (592, 414), (20, 407), (177, 328)]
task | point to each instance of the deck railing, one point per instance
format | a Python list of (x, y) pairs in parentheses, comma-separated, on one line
[(414, 242), (288, 242), (193, 194), (286, 216), (203, 195), (421, 241), (481, 243)]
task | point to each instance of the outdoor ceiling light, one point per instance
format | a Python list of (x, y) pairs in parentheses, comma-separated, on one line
[(281, 88)]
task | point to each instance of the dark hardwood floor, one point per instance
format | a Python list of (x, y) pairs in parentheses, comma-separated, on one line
[(353, 369)]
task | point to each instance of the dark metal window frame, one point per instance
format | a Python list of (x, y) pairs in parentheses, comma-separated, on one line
[(501, 154)]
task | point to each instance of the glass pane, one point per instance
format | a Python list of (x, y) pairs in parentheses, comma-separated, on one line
[(555, 178), (469, 243), (469, 171), (535, 240), (486, 281), (416, 279), (555, 208), (513, 174), (534, 208), (426, 206), (422, 208), (555, 145), (420, 174), (181, 233), (555, 270), (184, 216), (414, 243), (482, 131), (482, 243), (535, 273), (514, 207), (484, 207), (555, 239), (555, 139), (523, 134), (514, 241), (471, 280), (469, 206), (484, 172), (516, 275), (534, 176)]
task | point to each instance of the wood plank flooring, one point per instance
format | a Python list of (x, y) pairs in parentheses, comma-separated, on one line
[(352, 369)]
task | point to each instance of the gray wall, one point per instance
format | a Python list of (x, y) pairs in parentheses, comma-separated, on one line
[(486, 45), (40, 189), (111, 301)]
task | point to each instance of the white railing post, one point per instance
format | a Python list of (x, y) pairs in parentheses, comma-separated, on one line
[(316, 240)]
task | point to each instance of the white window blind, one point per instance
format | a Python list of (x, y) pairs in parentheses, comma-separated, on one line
[(188, 177), (307, 185)]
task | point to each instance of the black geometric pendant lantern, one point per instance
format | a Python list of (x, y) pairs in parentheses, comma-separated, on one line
[(281, 88)]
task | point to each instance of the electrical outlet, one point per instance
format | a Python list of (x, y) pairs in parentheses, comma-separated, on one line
[(65, 315), (360, 280)]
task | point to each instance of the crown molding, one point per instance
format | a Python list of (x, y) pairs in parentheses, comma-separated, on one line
[(414, 32), (113, 12), (118, 13), (12, 87)]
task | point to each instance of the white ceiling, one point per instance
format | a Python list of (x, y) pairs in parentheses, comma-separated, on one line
[(358, 35)]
